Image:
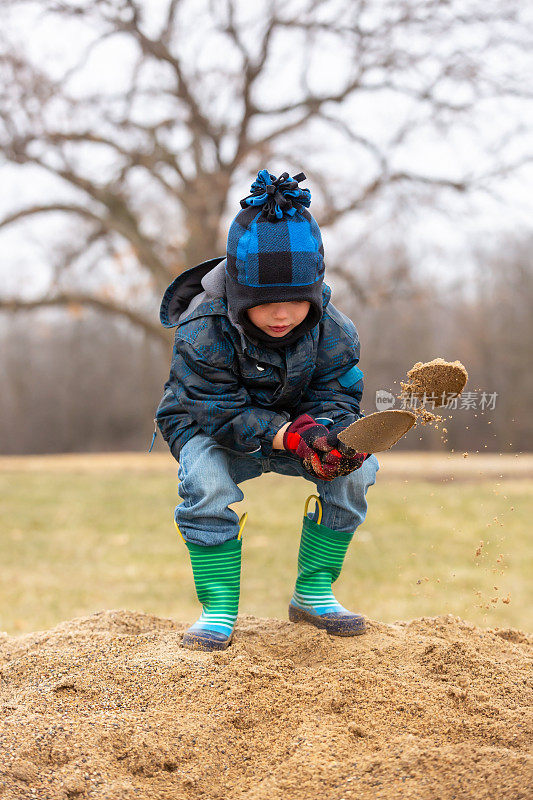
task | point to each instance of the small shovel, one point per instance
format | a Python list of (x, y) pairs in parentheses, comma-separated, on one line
[(378, 431), (439, 379)]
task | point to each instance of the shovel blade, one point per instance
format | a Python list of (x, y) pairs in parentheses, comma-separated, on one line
[(377, 432)]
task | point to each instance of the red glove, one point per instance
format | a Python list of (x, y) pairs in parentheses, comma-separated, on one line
[(341, 459), (307, 439), (323, 454)]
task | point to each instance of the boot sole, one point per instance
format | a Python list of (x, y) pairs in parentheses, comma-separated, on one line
[(333, 627), (193, 642)]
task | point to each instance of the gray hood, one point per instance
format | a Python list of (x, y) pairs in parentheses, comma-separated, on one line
[(214, 285)]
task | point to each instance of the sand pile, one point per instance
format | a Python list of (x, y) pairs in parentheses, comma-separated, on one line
[(110, 707)]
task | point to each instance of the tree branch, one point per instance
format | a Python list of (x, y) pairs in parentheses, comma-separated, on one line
[(39, 209), (90, 301)]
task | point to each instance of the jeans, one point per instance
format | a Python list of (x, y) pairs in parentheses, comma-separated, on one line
[(209, 475)]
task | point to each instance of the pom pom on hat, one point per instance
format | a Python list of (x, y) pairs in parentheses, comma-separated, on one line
[(279, 196)]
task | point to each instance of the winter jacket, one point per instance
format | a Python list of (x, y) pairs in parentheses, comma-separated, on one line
[(239, 391)]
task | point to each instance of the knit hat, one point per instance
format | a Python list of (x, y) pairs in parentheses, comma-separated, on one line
[(275, 254)]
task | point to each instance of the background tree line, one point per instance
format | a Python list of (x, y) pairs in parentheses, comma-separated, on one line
[(81, 381)]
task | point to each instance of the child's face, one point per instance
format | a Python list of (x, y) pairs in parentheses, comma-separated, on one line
[(277, 319)]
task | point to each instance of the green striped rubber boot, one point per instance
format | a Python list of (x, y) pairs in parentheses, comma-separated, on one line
[(217, 577), (320, 560)]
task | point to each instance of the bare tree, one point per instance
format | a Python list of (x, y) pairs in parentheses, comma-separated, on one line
[(216, 90)]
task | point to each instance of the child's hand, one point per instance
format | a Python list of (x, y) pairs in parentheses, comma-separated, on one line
[(307, 439), (338, 464), (341, 459), (322, 453), (333, 464)]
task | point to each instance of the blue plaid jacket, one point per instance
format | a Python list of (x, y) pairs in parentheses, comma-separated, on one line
[(241, 393)]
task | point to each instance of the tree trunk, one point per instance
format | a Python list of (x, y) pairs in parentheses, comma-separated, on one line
[(204, 212)]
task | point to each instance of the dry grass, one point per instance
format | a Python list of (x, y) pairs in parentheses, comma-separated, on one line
[(83, 533)]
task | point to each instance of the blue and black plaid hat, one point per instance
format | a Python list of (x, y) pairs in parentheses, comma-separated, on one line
[(275, 252)]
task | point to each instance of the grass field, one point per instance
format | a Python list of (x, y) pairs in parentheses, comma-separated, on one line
[(89, 532)]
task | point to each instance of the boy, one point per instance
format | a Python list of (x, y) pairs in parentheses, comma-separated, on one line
[(264, 375)]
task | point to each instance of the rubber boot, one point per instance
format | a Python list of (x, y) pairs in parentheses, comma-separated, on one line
[(320, 560), (217, 577)]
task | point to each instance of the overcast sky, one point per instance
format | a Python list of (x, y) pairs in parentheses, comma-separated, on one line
[(437, 239)]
